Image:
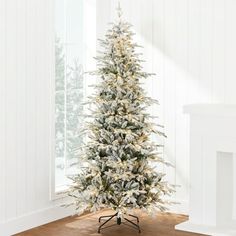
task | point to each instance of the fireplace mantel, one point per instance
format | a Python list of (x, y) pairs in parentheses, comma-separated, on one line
[(211, 109), (212, 169)]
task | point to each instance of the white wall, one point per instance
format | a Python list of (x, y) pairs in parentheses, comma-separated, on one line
[(26, 73), (190, 44)]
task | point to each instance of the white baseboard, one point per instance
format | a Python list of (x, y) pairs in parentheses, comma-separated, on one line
[(182, 207), (34, 219)]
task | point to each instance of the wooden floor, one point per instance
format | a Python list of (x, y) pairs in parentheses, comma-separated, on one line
[(161, 225)]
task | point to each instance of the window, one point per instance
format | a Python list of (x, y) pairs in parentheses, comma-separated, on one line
[(71, 52)]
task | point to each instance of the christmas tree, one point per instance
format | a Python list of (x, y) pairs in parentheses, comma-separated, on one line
[(119, 156)]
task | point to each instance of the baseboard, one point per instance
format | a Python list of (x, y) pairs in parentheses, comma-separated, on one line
[(181, 207), (34, 219)]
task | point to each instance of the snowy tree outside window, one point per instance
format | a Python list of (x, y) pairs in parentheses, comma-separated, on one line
[(69, 86)]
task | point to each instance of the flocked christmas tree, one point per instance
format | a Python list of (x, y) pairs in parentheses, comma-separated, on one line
[(119, 172)]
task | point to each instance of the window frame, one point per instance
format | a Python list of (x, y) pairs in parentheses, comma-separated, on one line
[(89, 64)]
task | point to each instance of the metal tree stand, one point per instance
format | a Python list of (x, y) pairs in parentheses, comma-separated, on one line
[(127, 222)]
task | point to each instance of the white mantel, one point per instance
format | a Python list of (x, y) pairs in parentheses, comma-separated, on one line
[(212, 169), (211, 109)]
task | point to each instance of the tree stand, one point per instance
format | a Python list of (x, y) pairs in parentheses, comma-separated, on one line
[(127, 222)]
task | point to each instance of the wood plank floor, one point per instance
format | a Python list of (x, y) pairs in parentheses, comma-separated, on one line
[(161, 225)]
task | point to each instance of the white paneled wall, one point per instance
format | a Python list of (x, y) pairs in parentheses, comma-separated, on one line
[(190, 44), (26, 76)]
